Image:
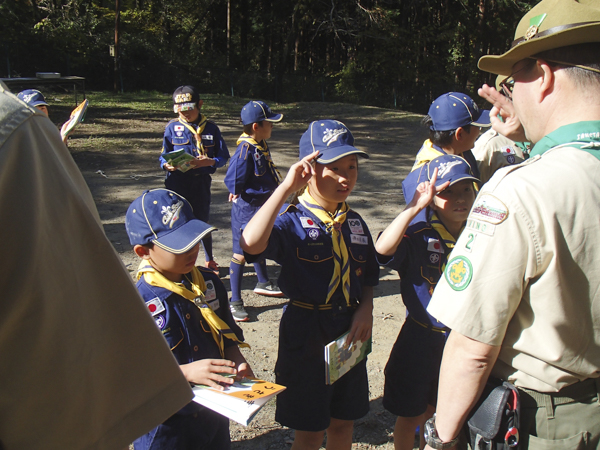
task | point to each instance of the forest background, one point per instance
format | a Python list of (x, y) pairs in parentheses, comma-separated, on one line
[(390, 53)]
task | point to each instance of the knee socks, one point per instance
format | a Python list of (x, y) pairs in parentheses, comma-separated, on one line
[(236, 272), (261, 271)]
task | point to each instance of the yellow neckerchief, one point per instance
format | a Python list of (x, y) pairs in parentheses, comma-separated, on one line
[(265, 152), (218, 328), (333, 222), (427, 153), (197, 133), (447, 238)]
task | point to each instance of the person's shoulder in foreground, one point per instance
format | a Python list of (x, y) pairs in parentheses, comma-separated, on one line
[(88, 343), (530, 301)]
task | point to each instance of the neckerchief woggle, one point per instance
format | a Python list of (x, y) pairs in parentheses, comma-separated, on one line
[(197, 133), (333, 222), (265, 152), (447, 238), (218, 328)]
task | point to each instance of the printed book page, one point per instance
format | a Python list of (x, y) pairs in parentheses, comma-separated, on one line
[(339, 359), (77, 116), (179, 159)]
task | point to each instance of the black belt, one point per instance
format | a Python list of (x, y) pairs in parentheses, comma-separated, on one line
[(321, 306)]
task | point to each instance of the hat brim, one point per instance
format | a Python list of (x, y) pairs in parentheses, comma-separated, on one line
[(332, 155), (274, 118), (38, 104), (183, 238), (456, 180), (484, 119), (503, 64), (183, 107)]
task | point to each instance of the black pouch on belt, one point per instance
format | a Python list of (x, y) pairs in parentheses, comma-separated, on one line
[(494, 421)]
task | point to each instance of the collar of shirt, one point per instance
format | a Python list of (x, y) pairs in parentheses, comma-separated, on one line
[(582, 135)]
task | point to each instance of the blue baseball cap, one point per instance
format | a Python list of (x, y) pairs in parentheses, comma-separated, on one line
[(32, 97), (166, 219), (331, 138), (257, 111), (451, 168), (454, 109)]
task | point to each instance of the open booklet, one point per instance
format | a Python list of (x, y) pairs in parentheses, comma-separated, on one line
[(339, 358), (179, 159), (77, 116), (239, 401)]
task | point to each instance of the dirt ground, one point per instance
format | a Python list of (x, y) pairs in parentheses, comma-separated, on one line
[(117, 150)]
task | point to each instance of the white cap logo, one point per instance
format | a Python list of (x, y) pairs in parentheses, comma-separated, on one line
[(330, 135), (444, 168), (171, 213)]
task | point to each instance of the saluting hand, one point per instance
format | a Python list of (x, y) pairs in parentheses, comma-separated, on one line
[(426, 191), (299, 174), (510, 125)]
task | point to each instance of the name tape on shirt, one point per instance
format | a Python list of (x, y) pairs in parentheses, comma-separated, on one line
[(208, 137), (307, 222), (355, 226), (488, 208), (434, 245), (155, 306), (358, 239), (482, 227)]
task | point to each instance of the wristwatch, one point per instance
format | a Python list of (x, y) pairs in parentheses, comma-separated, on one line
[(432, 439)]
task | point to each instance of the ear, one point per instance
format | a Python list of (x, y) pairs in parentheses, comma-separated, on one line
[(255, 126), (200, 103), (141, 251), (459, 134), (547, 78)]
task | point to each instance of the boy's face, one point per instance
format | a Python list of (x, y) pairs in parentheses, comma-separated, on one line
[(263, 130), (333, 182), (172, 266), (192, 114), (43, 108), (454, 203)]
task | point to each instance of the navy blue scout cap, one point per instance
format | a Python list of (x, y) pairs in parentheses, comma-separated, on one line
[(331, 138), (166, 219), (32, 97), (454, 109), (185, 98), (257, 111), (450, 168)]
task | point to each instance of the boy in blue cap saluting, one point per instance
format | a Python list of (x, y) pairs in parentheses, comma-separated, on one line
[(419, 254), (189, 305), (251, 178)]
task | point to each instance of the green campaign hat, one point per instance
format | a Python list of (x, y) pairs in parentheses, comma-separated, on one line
[(548, 25)]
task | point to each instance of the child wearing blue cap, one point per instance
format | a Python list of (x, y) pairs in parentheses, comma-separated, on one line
[(201, 138), (454, 121), (251, 178), (189, 306), (419, 253), (328, 270)]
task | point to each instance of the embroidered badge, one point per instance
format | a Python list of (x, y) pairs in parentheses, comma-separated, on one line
[(160, 321), (178, 128), (489, 209), (357, 239), (444, 168), (434, 245), (171, 213), (355, 226), (459, 272), (307, 222), (207, 137), (211, 292), (434, 258), (330, 135), (313, 233), (482, 227), (155, 306), (358, 272)]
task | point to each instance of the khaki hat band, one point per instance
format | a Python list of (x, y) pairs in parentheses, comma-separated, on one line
[(550, 31)]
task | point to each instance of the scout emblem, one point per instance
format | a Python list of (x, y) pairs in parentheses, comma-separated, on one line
[(534, 26)]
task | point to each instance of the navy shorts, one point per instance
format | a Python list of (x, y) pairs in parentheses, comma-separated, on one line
[(241, 213), (195, 189), (412, 371), (204, 430), (308, 404)]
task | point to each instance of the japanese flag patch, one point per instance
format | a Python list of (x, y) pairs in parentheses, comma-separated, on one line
[(178, 127), (155, 306), (355, 226), (434, 245), (307, 222)]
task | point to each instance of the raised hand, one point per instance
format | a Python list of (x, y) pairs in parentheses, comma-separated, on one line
[(299, 174), (510, 125)]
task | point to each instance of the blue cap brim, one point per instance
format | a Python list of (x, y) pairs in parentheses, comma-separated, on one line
[(329, 156), (274, 118), (183, 238), (455, 180), (484, 119)]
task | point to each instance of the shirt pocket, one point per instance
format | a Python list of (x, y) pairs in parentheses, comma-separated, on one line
[(359, 253), (180, 140), (260, 164), (314, 254)]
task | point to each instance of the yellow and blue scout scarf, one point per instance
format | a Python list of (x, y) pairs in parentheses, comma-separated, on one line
[(265, 152), (333, 222), (218, 328), (425, 154), (447, 238), (197, 133)]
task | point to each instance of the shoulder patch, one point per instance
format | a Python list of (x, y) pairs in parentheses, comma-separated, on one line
[(489, 209), (458, 273)]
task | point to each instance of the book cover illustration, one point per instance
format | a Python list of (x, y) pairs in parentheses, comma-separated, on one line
[(340, 358), (77, 116), (179, 159)]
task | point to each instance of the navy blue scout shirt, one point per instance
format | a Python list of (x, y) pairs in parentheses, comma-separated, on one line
[(179, 137), (182, 324), (300, 244), (419, 260), (249, 174)]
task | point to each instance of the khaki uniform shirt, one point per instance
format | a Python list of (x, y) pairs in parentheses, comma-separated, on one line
[(525, 273), (494, 151), (83, 363)]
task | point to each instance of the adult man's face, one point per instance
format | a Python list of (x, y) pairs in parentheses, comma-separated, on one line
[(523, 95)]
